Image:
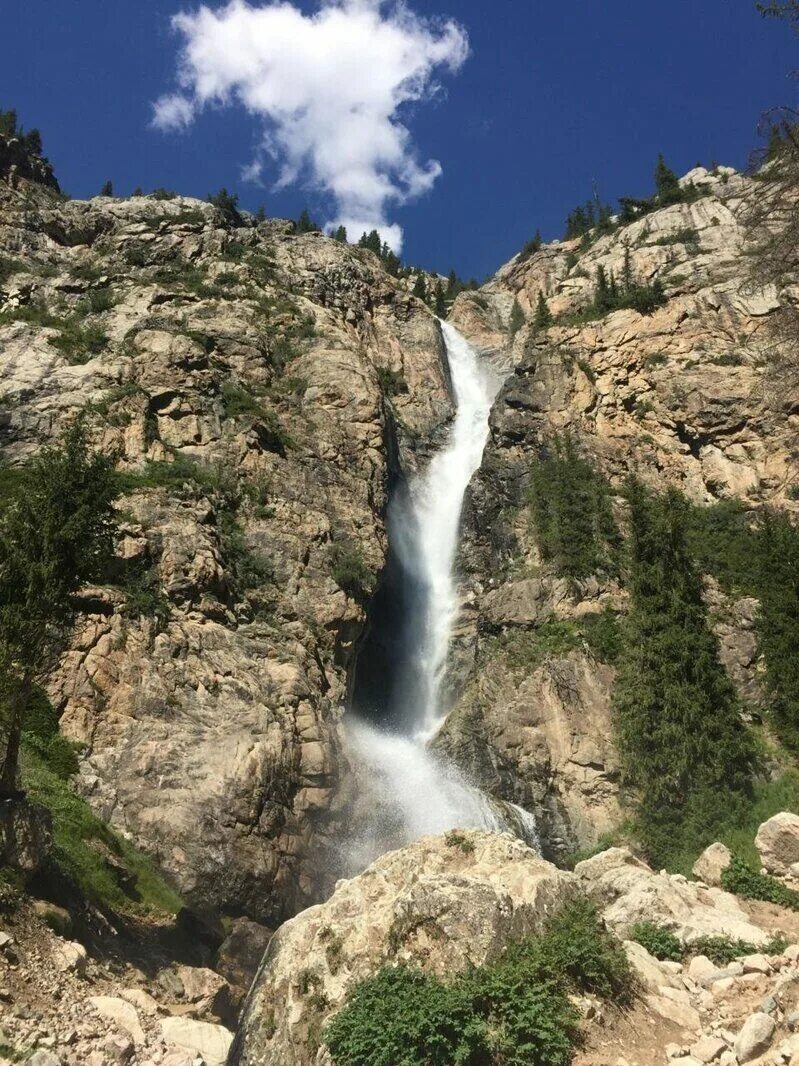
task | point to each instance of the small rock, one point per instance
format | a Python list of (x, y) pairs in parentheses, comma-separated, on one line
[(768, 1005), (119, 1012), (203, 1038), (792, 1020), (708, 1048), (70, 957), (711, 864), (141, 1000), (59, 919), (755, 1037), (700, 968), (119, 1049), (756, 964), (44, 1058)]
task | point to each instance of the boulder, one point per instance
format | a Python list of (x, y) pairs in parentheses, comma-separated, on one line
[(630, 892), (69, 956), (755, 1037), (44, 1058), (777, 842), (711, 863), (210, 1041), (241, 952), (206, 990), (123, 1014), (440, 903)]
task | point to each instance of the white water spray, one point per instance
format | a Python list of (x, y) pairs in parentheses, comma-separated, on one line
[(417, 790)]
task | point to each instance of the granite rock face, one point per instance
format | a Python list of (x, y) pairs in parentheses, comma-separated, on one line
[(287, 381), (698, 395)]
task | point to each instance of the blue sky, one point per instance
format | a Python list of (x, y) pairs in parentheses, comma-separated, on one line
[(552, 98)]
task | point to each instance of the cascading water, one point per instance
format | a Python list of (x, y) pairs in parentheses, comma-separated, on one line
[(420, 791)]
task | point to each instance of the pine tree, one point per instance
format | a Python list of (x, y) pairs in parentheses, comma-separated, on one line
[(684, 749), (778, 623), (340, 234), (391, 262), (667, 185), (452, 285), (419, 287), (439, 303), (371, 241), (227, 203), (543, 316), (574, 524), (56, 532), (9, 125), (107, 189), (516, 318), (305, 224)]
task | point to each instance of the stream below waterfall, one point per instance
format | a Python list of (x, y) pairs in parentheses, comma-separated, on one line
[(417, 790)]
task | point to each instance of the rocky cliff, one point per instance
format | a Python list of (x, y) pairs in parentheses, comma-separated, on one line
[(262, 391), (699, 393)]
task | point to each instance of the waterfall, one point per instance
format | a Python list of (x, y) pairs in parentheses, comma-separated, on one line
[(418, 791)]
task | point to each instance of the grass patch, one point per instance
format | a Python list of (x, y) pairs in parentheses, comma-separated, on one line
[(81, 842)]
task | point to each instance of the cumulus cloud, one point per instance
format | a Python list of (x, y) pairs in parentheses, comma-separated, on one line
[(332, 89)]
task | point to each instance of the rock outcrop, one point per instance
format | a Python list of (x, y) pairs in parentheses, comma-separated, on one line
[(443, 902), (287, 380)]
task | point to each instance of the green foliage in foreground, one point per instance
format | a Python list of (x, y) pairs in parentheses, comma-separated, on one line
[(686, 755), (514, 1011)]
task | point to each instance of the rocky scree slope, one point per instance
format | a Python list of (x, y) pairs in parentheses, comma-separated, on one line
[(262, 391), (697, 394)]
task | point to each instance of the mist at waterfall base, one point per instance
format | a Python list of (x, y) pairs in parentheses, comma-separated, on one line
[(411, 790)]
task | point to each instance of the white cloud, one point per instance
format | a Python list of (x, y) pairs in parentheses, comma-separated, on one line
[(330, 89)]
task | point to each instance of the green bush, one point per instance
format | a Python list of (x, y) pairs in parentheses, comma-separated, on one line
[(577, 946), (744, 880), (391, 382), (145, 597), (658, 940), (721, 949), (514, 1011), (350, 571)]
